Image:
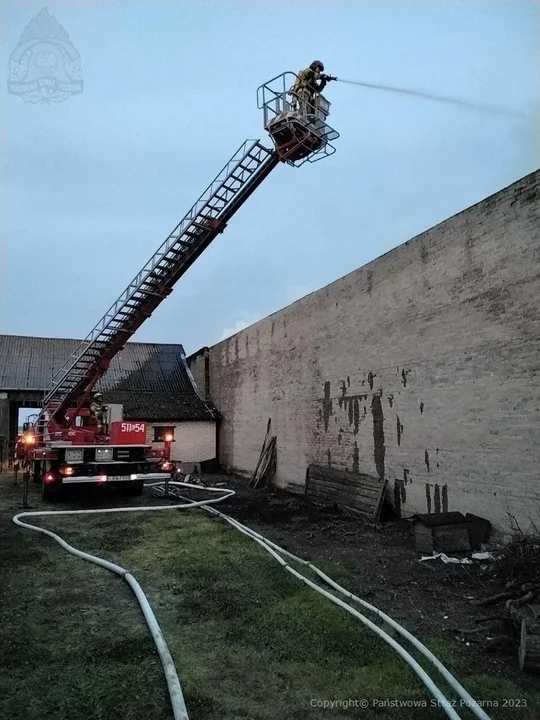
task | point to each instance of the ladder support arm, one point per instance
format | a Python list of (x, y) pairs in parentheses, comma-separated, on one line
[(207, 218)]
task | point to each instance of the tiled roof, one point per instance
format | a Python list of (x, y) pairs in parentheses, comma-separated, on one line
[(152, 381)]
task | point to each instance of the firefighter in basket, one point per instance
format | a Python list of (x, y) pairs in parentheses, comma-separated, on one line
[(308, 85)]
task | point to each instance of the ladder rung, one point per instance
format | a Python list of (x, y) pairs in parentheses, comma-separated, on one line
[(155, 283), (156, 275), (147, 286), (145, 293), (178, 251), (141, 289), (116, 332), (179, 242), (240, 179), (83, 361), (200, 225)]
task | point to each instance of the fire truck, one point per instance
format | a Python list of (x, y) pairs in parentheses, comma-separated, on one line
[(65, 444)]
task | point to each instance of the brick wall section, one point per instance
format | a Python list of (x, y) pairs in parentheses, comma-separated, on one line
[(422, 367)]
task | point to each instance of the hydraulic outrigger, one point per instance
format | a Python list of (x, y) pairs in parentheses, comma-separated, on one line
[(65, 444)]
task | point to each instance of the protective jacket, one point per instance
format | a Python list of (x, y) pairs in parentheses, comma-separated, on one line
[(309, 81), (97, 409)]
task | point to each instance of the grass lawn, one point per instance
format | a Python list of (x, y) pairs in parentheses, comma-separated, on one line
[(249, 641)]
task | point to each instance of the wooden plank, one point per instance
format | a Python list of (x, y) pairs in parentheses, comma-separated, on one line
[(254, 480), (367, 492), (423, 538), (350, 481), (332, 474), (367, 508), (336, 474), (340, 497), (266, 472), (529, 647), (352, 496), (345, 492), (347, 505), (349, 484)]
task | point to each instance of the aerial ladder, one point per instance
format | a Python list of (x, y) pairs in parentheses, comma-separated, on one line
[(65, 444)]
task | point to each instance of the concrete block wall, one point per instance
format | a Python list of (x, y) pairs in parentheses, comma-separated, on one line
[(423, 367)]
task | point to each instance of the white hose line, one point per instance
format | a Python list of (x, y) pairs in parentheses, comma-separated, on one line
[(171, 676), (424, 677), (173, 682), (422, 674), (471, 703)]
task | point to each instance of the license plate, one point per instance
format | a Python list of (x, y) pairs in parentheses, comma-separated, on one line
[(117, 478)]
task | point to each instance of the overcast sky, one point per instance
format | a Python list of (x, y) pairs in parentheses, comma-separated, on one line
[(92, 185)]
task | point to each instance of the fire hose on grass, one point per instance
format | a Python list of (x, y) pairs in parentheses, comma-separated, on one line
[(278, 553), (171, 676)]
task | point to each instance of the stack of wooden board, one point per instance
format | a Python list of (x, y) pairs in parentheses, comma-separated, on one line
[(360, 493), (266, 466)]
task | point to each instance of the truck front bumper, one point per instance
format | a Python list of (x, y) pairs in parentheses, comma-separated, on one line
[(104, 479)]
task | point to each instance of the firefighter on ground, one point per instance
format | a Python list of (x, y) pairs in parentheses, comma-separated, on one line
[(310, 83), (98, 410)]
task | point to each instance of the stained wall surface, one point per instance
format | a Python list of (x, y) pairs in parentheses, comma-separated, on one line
[(423, 367)]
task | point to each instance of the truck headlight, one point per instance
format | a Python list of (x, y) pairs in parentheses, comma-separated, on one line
[(74, 455), (104, 454)]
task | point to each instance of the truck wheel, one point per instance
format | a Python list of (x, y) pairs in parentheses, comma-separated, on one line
[(132, 488)]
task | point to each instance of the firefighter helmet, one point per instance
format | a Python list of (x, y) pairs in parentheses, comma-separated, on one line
[(317, 65)]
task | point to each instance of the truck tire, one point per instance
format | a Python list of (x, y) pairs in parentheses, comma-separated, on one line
[(131, 488), (36, 471)]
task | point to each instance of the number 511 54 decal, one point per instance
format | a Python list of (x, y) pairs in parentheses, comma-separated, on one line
[(133, 427)]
